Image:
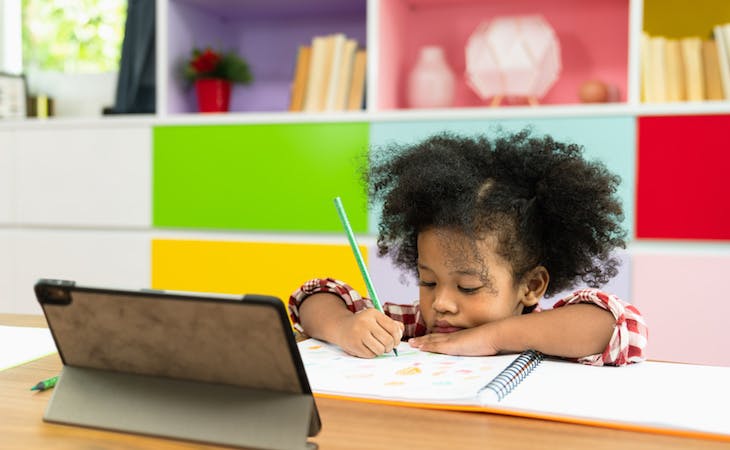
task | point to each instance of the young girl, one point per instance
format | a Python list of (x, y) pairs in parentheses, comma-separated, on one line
[(489, 227)]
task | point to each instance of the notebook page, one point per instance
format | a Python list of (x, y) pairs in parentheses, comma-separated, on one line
[(665, 395), (413, 376), (19, 345), (652, 394)]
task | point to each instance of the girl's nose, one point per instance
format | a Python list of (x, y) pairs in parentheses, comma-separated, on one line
[(444, 302)]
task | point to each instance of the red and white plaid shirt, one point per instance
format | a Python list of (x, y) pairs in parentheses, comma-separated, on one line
[(626, 345)]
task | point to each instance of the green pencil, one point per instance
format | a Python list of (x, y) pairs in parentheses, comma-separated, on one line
[(45, 384), (358, 257)]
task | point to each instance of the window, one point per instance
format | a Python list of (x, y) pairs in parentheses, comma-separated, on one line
[(73, 36)]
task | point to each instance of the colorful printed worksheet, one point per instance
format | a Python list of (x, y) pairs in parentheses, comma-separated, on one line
[(413, 375)]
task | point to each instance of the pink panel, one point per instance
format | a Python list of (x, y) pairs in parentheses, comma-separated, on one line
[(593, 38), (685, 305), (391, 45), (620, 285)]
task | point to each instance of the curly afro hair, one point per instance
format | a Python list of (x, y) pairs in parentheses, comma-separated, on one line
[(544, 203)]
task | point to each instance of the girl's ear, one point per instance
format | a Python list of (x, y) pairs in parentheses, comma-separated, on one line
[(534, 285)]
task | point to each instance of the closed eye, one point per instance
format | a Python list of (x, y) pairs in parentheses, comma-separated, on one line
[(467, 291), (427, 284)]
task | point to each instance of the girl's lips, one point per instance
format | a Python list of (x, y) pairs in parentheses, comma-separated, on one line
[(444, 329), (443, 326)]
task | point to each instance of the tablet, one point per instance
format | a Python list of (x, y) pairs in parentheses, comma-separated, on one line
[(205, 367)]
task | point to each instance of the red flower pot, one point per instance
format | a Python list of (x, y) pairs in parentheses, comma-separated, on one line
[(214, 94)]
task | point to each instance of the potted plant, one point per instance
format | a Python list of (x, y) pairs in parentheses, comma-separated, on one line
[(212, 72)]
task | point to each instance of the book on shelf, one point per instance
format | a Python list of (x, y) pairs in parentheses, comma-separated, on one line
[(344, 76), (675, 71), (693, 68), (645, 69), (685, 69), (318, 73), (713, 78), (301, 73), (657, 88), (659, 397), (356, 95), (723, 59), (333, 75)]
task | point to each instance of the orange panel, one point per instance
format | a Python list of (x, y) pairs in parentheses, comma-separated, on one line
[(249, 267)]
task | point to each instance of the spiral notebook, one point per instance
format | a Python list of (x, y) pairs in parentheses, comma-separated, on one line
[(679, 399)]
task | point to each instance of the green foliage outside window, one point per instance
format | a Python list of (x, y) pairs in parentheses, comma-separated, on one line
[(73, 36)]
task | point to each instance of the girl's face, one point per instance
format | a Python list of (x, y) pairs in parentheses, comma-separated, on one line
[(459, 289)]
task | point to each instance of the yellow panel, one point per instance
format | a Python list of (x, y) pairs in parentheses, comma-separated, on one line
[(682, 18), (249, 267)]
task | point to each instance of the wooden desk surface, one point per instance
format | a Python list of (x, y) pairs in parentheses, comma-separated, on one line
[(345, 424)]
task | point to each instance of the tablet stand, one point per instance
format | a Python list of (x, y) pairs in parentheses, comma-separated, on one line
[(181, 409)]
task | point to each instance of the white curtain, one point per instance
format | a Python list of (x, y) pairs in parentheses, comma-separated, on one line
[(11, 48)]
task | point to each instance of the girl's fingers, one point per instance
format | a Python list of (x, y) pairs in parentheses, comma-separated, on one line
[(372, 344), (393, 328)]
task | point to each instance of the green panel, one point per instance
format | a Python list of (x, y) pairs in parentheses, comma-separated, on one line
[(259, 177)]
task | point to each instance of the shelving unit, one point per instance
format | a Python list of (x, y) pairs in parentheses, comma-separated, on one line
[(266, 33), (593, 38), (181, 200)]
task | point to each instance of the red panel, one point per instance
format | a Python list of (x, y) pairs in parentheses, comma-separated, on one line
[(683, 177)]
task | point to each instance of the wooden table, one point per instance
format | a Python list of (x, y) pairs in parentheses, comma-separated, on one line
[(346, 424)]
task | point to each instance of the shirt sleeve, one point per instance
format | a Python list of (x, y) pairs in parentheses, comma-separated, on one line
[(409, 315), (352, 299), (628, 341)]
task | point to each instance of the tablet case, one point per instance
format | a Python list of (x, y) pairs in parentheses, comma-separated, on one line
[(210, 368)]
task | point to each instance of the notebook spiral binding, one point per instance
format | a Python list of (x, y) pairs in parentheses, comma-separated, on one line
[(511, 376)]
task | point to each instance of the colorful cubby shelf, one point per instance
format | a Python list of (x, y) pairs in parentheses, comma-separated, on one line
[(242, 202)]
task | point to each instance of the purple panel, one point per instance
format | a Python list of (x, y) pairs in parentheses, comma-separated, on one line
[(189, 27), (261, 97), (620, 285), (387, 279), (271, 47), (269, 43)]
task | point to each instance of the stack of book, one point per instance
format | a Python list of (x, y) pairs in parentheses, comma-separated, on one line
[(686, 69), (329, 75)]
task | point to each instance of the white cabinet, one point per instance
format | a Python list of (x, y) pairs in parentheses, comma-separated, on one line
[(75, 202), (101, 258), (7, 178), (98, 176)]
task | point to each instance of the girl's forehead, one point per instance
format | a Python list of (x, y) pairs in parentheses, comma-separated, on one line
[(458, 251), (452, 241)]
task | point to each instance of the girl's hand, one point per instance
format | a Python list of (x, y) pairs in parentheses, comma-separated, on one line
[(477, 341), (368, 333)]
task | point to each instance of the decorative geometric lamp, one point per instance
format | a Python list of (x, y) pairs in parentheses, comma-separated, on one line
[(513, 56)]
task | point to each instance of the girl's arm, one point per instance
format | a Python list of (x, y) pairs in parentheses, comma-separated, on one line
[(325, 309), (590, 326), (574, 331)]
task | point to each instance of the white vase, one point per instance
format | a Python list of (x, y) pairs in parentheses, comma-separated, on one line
[(431, 81)]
